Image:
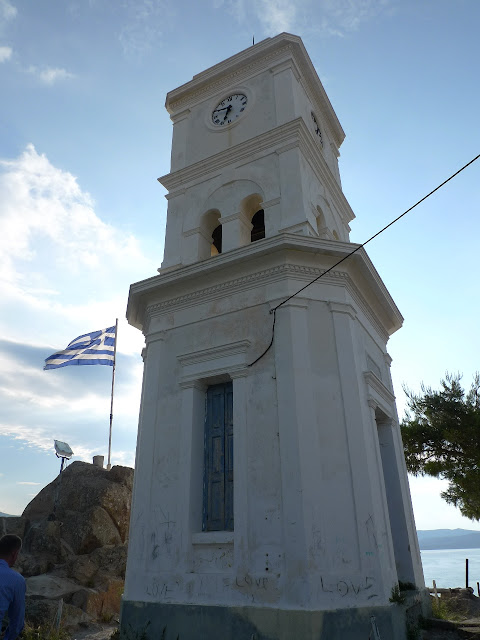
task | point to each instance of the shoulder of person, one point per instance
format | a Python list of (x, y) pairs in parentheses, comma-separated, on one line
[(18, 576)]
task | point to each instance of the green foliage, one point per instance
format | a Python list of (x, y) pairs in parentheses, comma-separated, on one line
[(106, 617), (406, 586), (440, 609), (43, 632), (397, 597), (447, 609), (441, 438), (413, 632)]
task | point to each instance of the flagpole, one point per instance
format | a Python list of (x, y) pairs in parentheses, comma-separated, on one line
[(109, 466)]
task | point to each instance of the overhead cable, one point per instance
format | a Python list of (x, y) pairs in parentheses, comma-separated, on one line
[(357, 248)]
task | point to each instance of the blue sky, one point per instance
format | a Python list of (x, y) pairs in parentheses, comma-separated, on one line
[(84, 136)]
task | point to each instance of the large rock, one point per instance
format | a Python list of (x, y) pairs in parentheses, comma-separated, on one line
[(29, 565), (82, 569), (99, 567), (45, 612), (90, 530), (100, 604), (50, 587), (111, 560), (42, 548), (91, 504), (13, 525), (75, 544)]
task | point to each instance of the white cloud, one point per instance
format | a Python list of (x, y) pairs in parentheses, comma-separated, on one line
[(59, 261), (7, 11), (33, 484), (41, 439), (40, 392), (50, 75), (65, 271), (238, 8), (5, 54), (145, 21), (276, 15), (40, 405), (43, 210), (341, 16), (323, 17), (46, 75)]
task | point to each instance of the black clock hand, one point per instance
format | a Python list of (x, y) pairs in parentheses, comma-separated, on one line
[(223, 108), (226, 114)]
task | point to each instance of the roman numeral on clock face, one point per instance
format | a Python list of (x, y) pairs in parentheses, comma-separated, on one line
[(229, 109)]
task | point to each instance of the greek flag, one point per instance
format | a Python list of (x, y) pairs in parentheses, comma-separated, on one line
[(97, 347)]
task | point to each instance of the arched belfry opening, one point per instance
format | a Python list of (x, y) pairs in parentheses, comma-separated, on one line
[(251, 208), (216, 246), (211, 230), (258, 226)]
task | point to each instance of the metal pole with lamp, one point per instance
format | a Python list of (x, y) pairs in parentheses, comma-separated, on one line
[(109, 466)]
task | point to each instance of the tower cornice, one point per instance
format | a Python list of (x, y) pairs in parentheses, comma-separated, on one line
[(296, 257), (250, 62), (277, 140)]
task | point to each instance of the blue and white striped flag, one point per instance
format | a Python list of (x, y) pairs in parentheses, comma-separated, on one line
[(97, 347)]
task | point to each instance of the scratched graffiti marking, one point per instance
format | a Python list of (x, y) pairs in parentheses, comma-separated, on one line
[(167, 522), (370, 526), (247, 581), (212, 560), (318, 543), (161, 541), (247, 588), (349, 587), (162, 590)]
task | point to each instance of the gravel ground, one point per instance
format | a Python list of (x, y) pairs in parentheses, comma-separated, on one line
[(466, 630), (95, 632)]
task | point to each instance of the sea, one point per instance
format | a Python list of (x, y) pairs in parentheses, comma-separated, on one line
[(447, 567)]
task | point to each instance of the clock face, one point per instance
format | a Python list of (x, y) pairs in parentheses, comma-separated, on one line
[(316, 128), (229, 109)]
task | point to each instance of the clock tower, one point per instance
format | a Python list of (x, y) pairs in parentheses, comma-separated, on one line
[(271, 498)]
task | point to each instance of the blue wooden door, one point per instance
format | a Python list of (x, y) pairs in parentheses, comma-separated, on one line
[(218, 483)]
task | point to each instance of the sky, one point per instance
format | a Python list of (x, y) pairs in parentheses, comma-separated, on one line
[(84, 136)]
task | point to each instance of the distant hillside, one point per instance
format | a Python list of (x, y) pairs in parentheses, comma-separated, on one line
[(6, 515), (449, 539)]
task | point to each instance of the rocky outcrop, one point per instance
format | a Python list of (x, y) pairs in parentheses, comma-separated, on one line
[(91, 504), (75, 534), (12, 524)]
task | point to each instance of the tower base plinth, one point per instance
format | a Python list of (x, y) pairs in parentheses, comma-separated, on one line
[(152, 621)]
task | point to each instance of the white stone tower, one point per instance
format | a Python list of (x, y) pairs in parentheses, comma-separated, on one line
[(271, 499)]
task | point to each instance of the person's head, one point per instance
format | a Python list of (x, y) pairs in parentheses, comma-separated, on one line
[(10, 546)]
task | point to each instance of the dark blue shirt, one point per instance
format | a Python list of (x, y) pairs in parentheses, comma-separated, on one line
[(12, 599)]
